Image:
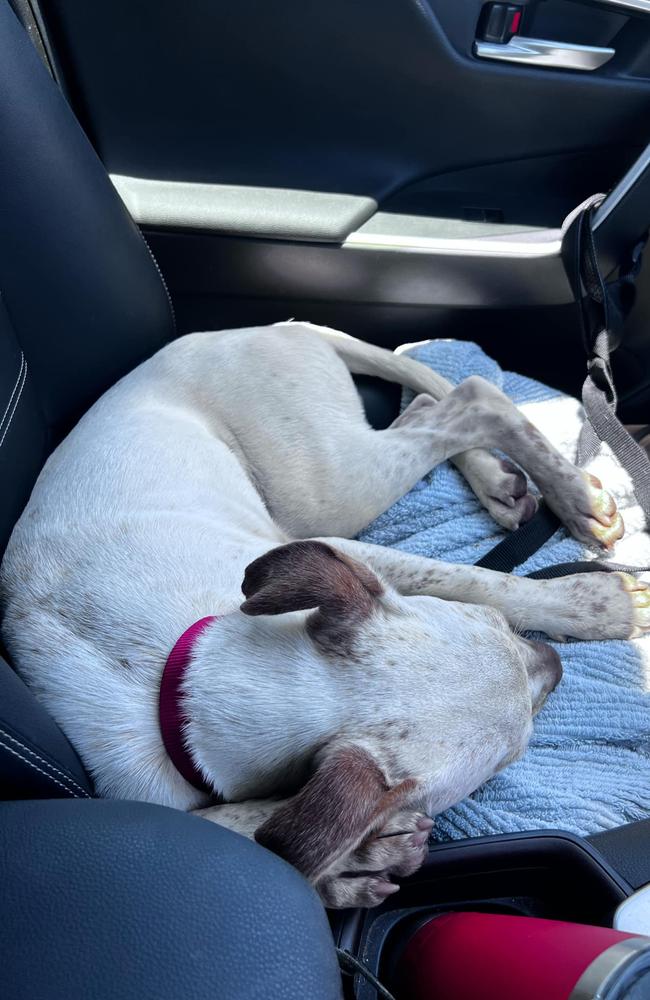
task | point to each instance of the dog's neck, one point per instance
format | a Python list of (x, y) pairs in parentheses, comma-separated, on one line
[(261, 701)]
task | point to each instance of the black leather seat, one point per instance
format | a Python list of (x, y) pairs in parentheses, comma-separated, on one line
[(81, 303), (104, 899), (126, 901)]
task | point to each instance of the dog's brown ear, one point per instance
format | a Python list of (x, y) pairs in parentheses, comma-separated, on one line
[(341, 803), (311, 574)]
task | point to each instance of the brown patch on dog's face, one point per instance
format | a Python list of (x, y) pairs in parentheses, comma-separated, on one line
[(309, 574), (343, 800)]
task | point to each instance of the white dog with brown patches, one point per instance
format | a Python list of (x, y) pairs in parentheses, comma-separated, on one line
[(357, 690)]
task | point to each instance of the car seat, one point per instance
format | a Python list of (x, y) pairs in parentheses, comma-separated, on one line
[(104, 899)]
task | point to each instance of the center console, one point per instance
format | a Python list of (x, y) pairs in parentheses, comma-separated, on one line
[(549, 874)]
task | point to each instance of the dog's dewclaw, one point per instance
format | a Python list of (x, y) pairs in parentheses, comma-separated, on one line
[(640, 598)]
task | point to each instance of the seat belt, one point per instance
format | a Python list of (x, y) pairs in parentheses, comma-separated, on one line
[(603, 308), (519, 545)]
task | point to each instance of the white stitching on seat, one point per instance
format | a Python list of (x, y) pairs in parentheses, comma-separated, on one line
[(20, 372), (164, 283), (40, 771), (45, 763), (16, 401), (20, 385)]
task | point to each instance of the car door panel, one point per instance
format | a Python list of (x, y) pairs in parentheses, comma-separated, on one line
[(354, 160), (361, 97)]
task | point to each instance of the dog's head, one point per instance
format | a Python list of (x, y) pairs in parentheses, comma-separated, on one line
[(441, 696)]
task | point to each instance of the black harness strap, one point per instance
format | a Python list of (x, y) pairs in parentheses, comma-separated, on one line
[(517, 547), (568, 569)]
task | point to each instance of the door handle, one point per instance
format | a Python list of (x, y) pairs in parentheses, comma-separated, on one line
[(640, 6), (544, 52)]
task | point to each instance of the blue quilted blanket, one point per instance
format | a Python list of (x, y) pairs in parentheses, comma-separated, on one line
[(588, 765)]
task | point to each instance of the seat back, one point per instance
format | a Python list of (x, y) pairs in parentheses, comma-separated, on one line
[(81, 303), (83, 299)]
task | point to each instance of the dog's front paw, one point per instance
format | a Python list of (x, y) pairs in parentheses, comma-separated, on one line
[(639, 595), (598, 606), (363, 877), (586, 509)]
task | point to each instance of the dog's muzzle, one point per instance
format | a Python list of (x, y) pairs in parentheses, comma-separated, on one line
[(544, 671)]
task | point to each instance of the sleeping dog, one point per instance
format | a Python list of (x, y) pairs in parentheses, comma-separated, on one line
[(357, 690)]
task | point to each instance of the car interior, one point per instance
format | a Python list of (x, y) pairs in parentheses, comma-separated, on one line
[(397, 169)]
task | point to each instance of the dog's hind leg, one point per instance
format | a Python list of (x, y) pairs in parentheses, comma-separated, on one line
[(359, 473), (296, 422), (500, 486), (322, 470), (337, 477)]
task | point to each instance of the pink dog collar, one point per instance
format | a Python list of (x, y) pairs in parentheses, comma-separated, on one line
[(170, 712)]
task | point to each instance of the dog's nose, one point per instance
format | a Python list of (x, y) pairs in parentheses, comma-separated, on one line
[(548, 660), (544, 672)]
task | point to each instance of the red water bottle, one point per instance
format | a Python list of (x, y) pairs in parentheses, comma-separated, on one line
[(488, 956)]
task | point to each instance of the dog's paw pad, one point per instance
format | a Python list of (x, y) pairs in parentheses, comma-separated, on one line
[(363, 877), (526, 507), (399, 848), (513, 485), (502, 488)]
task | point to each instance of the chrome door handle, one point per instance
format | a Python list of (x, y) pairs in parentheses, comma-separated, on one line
[(543, 52), (640, 6)]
